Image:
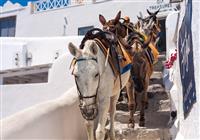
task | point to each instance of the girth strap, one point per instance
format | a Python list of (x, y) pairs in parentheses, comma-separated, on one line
[(104, 50)]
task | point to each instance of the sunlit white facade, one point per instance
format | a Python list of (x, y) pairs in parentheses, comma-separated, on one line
[(36, 65)]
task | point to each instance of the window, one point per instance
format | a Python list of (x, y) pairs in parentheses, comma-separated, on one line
[(162, 41), (7, 26), (84, 30), (175, 1)]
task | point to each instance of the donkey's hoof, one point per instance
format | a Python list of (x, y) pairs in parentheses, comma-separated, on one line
[(141, 123), (131, 125), (146, 105)]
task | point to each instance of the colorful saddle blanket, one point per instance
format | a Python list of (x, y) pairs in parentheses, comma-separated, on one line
[(152, 52), (118, 58)]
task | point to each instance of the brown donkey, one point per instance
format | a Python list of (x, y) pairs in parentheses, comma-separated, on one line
[(142, 67), (144, 57)]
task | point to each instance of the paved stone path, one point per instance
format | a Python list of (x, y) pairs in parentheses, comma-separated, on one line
[(157, 114)]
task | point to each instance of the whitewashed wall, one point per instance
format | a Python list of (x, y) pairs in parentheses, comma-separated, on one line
[(56, 119), (18, 97), (11, 51), (43, 50), (51, 23), (189, 128), (43, 111)]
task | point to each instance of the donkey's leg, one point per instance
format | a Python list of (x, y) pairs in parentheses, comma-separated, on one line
[(144, 104), (113, 103), (90, 129), (142, 112), (145, 98), (104, 104), (131, 102)]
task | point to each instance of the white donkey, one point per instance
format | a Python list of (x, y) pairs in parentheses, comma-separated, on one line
[(97, 87)]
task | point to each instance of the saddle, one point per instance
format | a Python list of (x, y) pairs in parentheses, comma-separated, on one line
[(151, 52), (118, 58)]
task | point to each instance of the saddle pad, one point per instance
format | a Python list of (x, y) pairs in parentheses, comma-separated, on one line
[(149, 55), (125, 64), (154, 52)]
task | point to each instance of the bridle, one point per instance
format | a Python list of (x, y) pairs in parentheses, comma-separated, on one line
[(92, 108), (114, 29), (90, 111)]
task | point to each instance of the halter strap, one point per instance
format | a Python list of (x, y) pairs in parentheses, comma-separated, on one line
[(85, 59), (80, 95)]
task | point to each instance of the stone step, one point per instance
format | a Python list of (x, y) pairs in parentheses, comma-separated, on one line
[(156, 116), (156, 130), (159, 66), (156, 78), (143, 134)]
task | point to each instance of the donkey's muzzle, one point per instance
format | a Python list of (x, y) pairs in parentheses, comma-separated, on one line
[(89, 112), (138, 85)]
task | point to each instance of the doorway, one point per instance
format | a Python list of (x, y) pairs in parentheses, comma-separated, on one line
[(161, 46)]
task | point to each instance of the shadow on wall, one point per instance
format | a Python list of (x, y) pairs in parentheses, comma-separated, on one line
[(17, 97), (56, 119)]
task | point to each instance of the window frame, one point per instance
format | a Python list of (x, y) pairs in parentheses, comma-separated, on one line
[(10, 26), (84, 29)]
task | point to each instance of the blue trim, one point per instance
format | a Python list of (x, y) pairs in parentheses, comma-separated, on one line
[(126, 68)]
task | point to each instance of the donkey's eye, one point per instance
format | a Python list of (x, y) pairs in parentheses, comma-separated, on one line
[(76, 76), (105, 28), (96, 75)]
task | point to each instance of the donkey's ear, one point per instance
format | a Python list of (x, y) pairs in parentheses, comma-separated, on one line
[(73, 50), (102, 19), (118, 16), (157, 12), (139, 18), (149, 12), (93, 48)]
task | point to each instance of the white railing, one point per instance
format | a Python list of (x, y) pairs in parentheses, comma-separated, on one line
[(45, 5)]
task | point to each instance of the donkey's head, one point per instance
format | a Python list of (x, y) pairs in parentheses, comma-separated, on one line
[(137, 43), (153, 15), (156, 26), (148, 24), (113, 25), (87, 77), (139, 62)]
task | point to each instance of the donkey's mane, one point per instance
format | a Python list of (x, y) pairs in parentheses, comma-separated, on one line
[(98, 34), (135, 35)]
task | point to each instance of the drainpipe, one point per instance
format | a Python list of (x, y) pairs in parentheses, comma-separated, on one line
[(65, 26), (1, 80)]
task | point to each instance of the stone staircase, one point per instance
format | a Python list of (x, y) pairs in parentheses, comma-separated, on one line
[(157, 114)]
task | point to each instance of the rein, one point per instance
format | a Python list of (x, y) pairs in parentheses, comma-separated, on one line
[(92, 106), (80, 95)]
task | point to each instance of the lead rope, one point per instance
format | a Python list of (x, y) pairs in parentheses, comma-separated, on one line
[(107, 55), (120, 79)]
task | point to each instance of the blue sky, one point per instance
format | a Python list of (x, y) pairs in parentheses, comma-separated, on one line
[(22, 2)]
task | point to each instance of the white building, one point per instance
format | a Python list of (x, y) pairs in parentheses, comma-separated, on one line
[(39, 60), (66, 17)]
